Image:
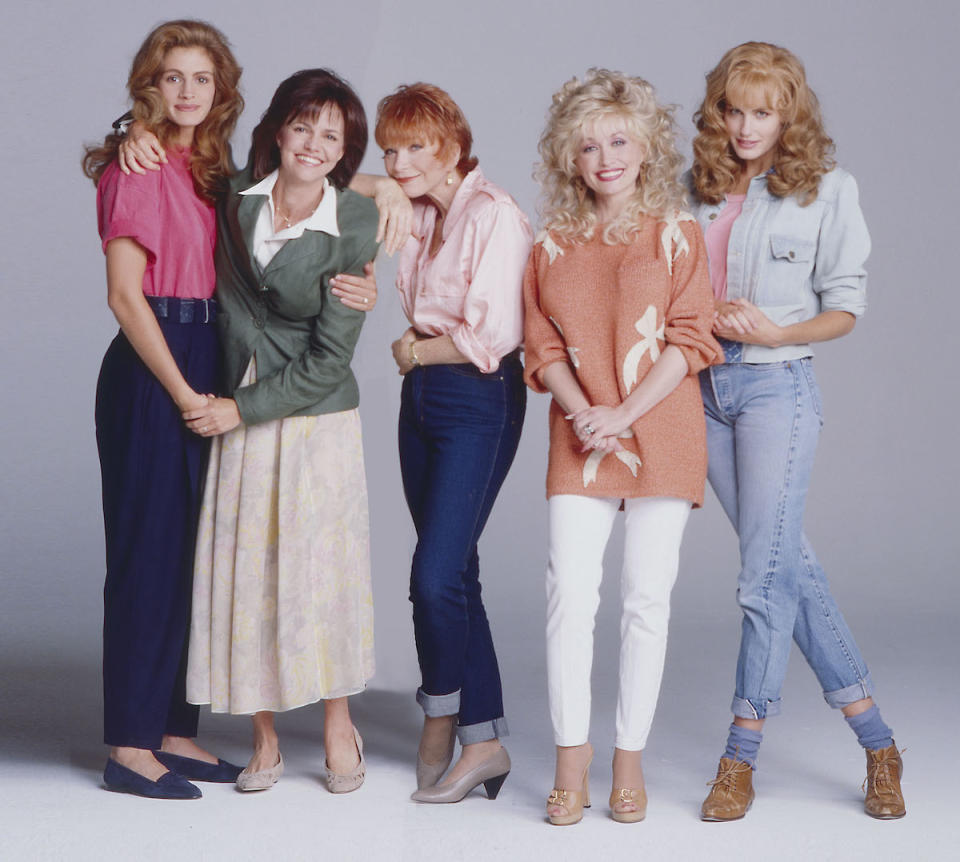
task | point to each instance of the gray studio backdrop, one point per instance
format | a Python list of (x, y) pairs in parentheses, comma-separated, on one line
[(881, 507)]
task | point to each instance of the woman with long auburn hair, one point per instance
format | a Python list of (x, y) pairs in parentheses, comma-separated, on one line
[(787, 244), (618, 317), (158, 233)]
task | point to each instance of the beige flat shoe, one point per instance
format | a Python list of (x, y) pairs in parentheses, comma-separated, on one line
[(337, 783), (262, 780)]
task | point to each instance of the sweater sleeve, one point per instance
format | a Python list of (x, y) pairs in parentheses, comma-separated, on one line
[(543, 343), (689, 319)]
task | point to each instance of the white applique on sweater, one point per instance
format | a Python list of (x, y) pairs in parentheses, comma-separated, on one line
[(674, 237), (649, 335)]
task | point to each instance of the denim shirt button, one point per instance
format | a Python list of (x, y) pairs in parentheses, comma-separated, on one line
[(791, 254), (712, 216)]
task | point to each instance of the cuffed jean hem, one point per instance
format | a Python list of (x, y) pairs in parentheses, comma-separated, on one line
[(482, 731), (439, 705), (756, 710), (851, 694)]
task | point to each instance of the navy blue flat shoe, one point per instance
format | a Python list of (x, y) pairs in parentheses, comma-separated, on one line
[(199, 770), (168, 786)]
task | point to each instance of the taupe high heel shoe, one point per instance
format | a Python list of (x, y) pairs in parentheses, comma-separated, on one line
[(572, 801), (621, 800), (490, 772), (337, 783), (428, 774)]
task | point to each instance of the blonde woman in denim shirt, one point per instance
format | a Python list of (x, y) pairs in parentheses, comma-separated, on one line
[(787, 244)]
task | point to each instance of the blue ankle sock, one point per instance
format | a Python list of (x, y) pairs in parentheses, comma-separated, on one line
[(743, 745), (871, 730)]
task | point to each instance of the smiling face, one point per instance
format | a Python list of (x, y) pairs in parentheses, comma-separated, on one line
[(608, 159), (418, 167), (754, 128), (311, 147), (188, 89)]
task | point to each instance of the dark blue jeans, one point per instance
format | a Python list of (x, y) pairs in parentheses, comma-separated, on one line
[(459, 430)]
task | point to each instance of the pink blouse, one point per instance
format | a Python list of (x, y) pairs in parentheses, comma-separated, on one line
[(161, 211), (471, 289), (717, 239)]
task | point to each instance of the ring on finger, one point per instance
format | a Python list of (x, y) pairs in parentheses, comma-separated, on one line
[(588, 428), (203, 428), (365, 300)]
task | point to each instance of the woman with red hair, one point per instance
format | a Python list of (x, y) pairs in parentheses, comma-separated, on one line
[(461, 413)]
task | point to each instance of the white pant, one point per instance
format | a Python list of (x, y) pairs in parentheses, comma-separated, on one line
[(579, 530)]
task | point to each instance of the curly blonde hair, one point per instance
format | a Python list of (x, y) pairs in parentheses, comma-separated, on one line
[(804, 152), (568, 207), (210, 161)]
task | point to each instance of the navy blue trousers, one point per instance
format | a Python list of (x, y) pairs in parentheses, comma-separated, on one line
[(459, 431), (151, 468)]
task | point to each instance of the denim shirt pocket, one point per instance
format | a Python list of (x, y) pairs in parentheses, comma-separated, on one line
[(789, 269)]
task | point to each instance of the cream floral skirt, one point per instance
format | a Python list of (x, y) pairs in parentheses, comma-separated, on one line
[(282, 605)]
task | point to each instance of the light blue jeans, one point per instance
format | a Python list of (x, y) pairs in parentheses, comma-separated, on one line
[(763, 422)]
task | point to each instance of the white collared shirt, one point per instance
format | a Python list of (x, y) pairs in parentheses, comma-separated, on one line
[(266, 242)]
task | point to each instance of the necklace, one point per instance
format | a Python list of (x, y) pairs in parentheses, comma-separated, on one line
[(289, 220)]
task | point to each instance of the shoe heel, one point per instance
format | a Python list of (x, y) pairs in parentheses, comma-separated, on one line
[(586, 785), (493, 785)]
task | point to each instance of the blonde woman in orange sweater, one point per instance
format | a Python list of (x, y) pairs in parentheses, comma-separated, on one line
[(618, 318)]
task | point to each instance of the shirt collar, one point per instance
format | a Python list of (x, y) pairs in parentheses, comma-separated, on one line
[(323, 218)]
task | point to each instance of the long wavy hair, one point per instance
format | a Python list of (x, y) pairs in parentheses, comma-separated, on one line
[(568, 207), (804, 152), (210, 161)]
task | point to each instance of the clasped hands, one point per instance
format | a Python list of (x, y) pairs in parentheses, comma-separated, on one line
[(741, 320), (600, 428), (209, 415)]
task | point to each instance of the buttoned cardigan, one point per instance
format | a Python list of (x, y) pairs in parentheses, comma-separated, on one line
[(302, 336)]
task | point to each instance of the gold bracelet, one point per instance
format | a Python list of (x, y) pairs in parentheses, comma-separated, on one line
[(414, 359)]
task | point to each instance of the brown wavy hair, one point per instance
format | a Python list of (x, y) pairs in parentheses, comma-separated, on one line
[(423, 113), (568, 207), (210, 161), (804, 152)]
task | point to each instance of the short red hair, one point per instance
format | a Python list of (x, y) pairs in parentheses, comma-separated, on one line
[(425, 114)]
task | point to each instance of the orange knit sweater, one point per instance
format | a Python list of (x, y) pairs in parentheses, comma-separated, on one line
[(609, 311)]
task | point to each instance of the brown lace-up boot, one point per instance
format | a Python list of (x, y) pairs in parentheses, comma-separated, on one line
[(884, 798), (731, 792)]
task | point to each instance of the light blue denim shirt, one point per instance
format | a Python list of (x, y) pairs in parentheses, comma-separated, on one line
[(794, 262)]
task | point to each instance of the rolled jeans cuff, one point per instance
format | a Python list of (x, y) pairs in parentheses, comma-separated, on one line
[(851, 694), (756, 710), (438, 705), (482, 731)]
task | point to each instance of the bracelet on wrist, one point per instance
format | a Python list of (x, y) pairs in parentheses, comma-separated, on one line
[(414, 359)]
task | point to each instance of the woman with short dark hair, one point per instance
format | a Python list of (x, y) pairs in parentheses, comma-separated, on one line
[(282, 604)]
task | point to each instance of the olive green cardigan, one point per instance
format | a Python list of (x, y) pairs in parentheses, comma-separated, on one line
[(303, 337)]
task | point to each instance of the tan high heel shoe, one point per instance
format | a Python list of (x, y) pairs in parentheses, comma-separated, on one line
[(628, 806), (428, 774), (337, 783), (572, 801)]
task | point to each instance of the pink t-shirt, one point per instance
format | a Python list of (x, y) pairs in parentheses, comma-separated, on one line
[(717, 239), (161, 211), (472, 288)]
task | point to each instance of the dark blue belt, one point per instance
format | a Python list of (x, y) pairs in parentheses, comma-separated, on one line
[(174, 310)]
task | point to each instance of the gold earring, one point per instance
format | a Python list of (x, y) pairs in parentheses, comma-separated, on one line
[(449, 179)]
